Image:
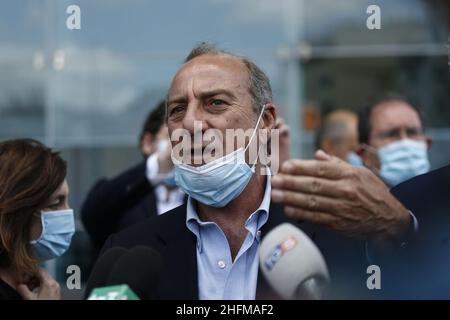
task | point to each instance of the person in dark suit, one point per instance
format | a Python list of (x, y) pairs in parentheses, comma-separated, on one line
[(428, 196), (140, 192), (406, 229), (210, 244), (178, 247), (354, 216), (420, 271)]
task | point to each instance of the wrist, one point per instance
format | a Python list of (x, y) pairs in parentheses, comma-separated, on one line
[(398, 232)]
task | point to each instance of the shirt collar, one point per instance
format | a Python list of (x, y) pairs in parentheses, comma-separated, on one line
[(253, 224), (259, 218)]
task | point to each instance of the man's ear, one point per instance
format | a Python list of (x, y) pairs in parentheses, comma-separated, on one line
[(369, 158), (364, 154), (428, 141), (360, 150), (269, 116), (268, 120)]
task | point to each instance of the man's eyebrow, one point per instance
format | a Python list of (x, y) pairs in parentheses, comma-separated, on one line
[(215, 92), (395, 129), (176, 99), (414, 128), (204, 94), (405, 127), (388, 132)]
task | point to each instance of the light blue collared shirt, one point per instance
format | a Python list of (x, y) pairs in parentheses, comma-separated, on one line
[(220, 278)]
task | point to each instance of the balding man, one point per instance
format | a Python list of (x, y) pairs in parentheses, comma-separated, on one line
[(338, 136), (209, 245)]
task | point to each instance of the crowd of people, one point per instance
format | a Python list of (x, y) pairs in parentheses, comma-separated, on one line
[(367, 197)]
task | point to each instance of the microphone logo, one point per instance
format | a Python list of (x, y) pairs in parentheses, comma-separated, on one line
[(275, 255)]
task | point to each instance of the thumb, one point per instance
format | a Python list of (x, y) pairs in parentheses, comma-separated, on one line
[(322, 155), (25, 292)]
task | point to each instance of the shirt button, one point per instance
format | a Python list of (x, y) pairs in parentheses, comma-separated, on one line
[(221, 264), (258, 234)]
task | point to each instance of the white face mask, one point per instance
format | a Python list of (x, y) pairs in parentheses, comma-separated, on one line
[(403, 160), (163, 145), (58, 227), (354, 159), (218, 182)]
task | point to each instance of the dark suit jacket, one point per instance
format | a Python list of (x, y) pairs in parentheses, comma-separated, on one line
[(423, 267), (113, 205), (169, 235), (428, 197), (8, 293)]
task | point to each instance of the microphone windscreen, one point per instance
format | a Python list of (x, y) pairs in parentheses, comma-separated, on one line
[(292, 263), (140, 269), (102, 268)]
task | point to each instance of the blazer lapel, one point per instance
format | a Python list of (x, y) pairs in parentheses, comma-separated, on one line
[(180, 255), (151, 208), (183, 260)]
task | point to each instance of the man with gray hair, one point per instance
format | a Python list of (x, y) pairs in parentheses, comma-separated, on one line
[(209, 245)]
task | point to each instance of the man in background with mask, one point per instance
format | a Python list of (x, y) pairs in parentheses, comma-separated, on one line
[(338, 136), (393, 144), (352, 201), (142, 191)]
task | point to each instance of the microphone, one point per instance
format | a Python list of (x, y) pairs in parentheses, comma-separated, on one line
[(135, 276), (102, 268), (292, 264)]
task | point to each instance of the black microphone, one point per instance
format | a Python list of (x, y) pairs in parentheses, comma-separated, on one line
[(102, 268), (140, 269)]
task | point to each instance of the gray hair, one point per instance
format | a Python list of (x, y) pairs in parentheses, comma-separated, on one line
[(259, 84)]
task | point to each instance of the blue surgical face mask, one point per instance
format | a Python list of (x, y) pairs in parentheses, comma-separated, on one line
[(218, 182), (170, 180), (163, 145), (58, 228), (354, 159), (403, 160)]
